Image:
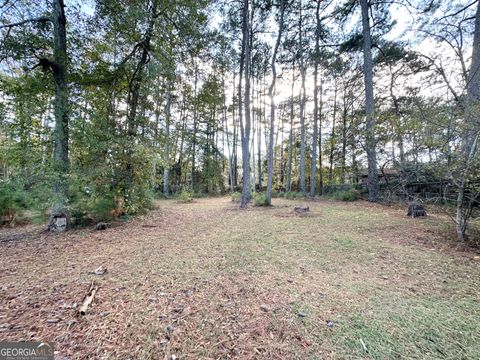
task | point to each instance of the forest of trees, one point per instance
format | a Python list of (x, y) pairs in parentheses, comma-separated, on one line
[(106, 104)]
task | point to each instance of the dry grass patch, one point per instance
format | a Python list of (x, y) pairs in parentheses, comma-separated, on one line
[(205, 280)]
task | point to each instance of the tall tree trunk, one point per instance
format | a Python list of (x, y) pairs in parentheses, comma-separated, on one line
[(370, 141), (290, 138), (194, 135), (320, 160), (166, 161), (471, 131), (344, 135), (271, 94), (332, 136), (61, 133), (133, 99), (315, 101), (259, 138), (234, 145), (155, 134), (225, 125), (245, 126), (302, 107), (252, 145)]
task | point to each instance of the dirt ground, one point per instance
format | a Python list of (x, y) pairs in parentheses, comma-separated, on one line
[(205, 280)]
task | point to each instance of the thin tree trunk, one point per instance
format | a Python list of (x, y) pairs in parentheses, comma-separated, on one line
[(472, 131), (166, 159), (302, 107), (194, 135), (344, 136), (259, 138), (271, 94), (320, 160), (133, 99), (234, 145), (290, 138), (370, 143), (245, 127), (332, 136), (315, 101), (254, 127)]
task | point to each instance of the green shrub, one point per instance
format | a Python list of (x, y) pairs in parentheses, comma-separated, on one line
[(236, 196), (101, 209), (292, 195), (260, 199), (13, 202), (185, 196), (347, 195)]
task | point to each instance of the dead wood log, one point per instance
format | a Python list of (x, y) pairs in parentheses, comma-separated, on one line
[(88, 299)]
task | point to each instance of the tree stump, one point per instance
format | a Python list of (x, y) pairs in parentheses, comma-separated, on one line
[(416, 210), (58, 223)]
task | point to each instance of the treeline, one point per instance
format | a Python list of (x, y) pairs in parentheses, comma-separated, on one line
[(107, 104)]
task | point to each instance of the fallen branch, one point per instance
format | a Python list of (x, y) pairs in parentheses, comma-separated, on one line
[(88, 299)]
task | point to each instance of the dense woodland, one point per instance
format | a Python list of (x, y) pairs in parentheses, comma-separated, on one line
[(106, 104)]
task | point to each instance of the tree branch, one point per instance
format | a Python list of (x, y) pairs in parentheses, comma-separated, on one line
[(39, 19)]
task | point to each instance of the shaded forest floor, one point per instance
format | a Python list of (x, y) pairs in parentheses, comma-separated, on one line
[(207, 280)]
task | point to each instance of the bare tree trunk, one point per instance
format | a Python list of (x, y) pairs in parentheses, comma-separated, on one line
[(290, 138), (472, 130), (225, 124), (61, 134), (332, 136), (133, 99), (245, 128), (315, 101), (320, 160), (302, 108), (259, 139), (271, 94), (370, 143), (254, 130), (194, 135), (166, 161), (344, 135), (234, 145), (155, 133)]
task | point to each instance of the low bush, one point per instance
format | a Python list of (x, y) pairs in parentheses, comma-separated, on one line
[(186, 196), (13, 202), (260, 199), (292, 195), (347, 195), (236, 196), (103, 209)]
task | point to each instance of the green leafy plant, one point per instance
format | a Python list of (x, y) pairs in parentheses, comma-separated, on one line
[(292, 195), (260, 199), (186, 196), (236, 196), (347, 195), (13, 202)]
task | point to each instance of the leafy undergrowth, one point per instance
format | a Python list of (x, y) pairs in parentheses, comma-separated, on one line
[(205, 281)]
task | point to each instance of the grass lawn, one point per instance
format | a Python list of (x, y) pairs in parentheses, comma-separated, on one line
[(205, 280)]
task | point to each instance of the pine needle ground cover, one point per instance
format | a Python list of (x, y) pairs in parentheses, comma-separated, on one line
[(205, 280)]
